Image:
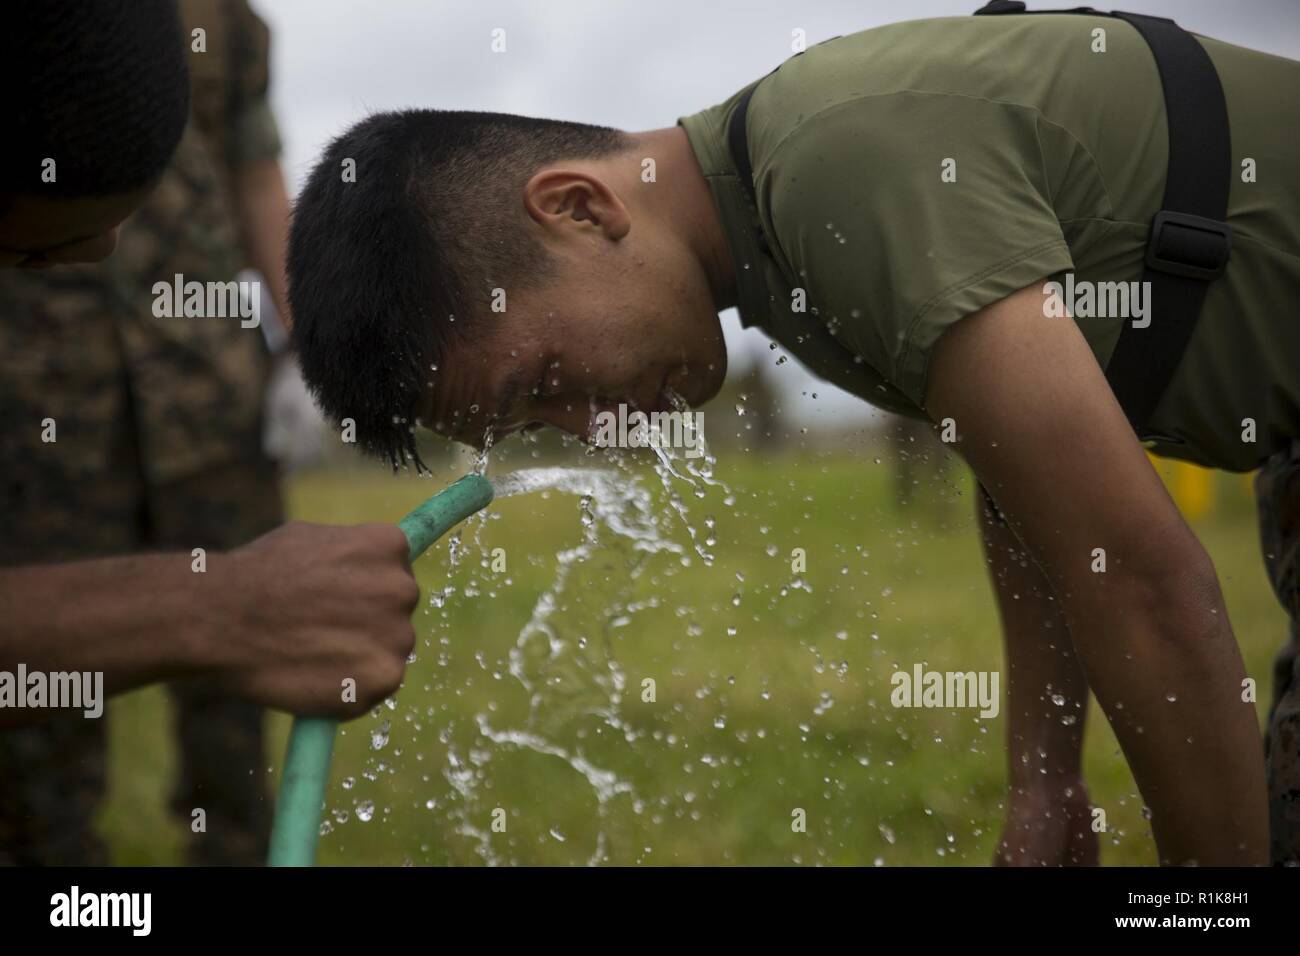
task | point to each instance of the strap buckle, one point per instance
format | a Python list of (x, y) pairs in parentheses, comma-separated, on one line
[(1190, 246)]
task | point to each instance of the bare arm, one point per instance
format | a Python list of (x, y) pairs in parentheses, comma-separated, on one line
[(283, 620), (106, 616), (1040, 426), (262, 204), (1048, 820)]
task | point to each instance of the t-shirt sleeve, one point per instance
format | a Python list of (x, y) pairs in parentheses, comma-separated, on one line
[(901, 213), (253, 132)]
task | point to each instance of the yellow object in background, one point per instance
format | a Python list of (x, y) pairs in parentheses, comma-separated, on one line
[(1191, 486), (1193, 490)]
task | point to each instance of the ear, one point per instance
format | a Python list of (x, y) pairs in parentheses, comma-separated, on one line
[(558, 198)]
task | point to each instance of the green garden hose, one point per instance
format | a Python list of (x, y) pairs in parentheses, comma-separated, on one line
[(311, 741)]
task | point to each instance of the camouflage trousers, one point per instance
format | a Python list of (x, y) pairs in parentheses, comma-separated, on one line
[(53, 774), (1278, 489)]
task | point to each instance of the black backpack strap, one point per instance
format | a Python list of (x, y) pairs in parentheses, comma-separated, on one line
[(738, 144), (1190, 241)]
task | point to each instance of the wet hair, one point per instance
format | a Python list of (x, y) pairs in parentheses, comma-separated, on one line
[(392, 265), (99, 86)]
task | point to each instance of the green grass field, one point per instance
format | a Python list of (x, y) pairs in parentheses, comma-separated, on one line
[(769, 697)]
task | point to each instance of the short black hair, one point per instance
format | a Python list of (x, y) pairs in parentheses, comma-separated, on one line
[(391, 265), (99, 86)]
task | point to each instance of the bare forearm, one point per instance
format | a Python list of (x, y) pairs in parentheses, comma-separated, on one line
[(1042, 429), (263, 206), (1047, 693), (134, 619), (1165, 668), (310, 619)]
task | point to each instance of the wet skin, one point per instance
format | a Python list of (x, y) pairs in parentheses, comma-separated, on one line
[(628, 314)]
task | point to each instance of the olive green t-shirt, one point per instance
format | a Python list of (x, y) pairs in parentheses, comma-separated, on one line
[(910, 175)]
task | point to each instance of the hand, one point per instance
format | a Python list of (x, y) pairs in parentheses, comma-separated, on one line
[(310, 607), (1152, 634), (1048, 826)]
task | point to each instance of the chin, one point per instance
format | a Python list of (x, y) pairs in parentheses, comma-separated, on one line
[(707, 390), (702, 389), (714, 378)]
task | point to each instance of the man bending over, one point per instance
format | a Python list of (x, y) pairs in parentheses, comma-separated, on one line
[(916, 187)]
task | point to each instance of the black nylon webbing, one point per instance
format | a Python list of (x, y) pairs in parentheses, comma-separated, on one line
[(1196, 184), (737, 142), (1189, 241)]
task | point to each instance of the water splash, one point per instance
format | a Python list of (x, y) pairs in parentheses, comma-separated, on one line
[(619, 502), (674, 469), (480, 463), (563, 690), (573, 685)]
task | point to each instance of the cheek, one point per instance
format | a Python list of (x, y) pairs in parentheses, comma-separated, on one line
[(621, 342)]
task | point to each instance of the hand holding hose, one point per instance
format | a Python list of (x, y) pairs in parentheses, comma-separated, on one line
[(311, 742), (322, 621)]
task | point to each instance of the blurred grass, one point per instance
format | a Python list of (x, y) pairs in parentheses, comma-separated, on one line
[(789, 711)]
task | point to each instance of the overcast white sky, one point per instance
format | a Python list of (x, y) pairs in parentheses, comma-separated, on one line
[(634, 65)]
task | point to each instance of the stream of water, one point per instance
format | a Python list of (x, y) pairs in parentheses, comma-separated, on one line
[(564, 658), (563, 689)]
